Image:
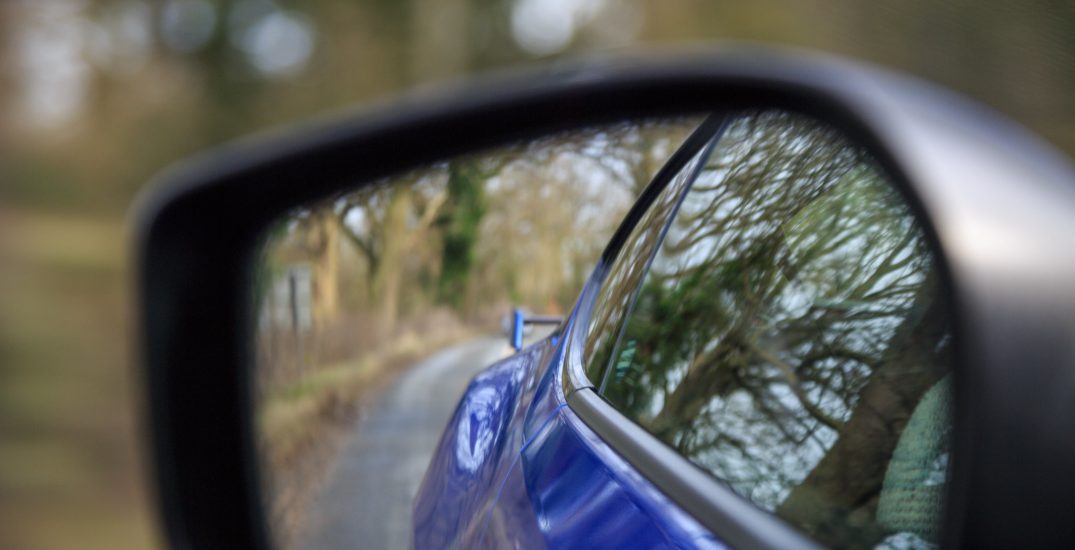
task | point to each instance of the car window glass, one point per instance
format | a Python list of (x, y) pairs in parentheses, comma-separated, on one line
[(791, 338), (625, 274)]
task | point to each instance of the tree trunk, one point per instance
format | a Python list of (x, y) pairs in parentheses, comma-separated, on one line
[(325, 299), (386, 280)]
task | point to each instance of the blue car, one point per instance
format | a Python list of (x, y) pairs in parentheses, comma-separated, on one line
[(760, 358)]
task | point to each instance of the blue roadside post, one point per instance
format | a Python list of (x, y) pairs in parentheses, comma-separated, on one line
[(517, 321)]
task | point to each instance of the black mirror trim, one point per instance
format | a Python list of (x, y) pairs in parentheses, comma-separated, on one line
[(961, 167)]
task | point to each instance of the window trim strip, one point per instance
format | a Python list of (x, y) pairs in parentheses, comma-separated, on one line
[(735, 520)]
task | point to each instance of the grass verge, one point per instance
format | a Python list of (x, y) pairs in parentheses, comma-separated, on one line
[(303, 425)]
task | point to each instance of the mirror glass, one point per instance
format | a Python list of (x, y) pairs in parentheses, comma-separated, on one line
[(775, 315), (377, 306)]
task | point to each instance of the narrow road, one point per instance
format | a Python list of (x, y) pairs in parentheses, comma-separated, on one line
[(366, 501)]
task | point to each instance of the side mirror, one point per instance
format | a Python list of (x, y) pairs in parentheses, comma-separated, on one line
[(993, 206)]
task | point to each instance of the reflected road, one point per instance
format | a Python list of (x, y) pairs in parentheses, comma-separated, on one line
[(366, 500)]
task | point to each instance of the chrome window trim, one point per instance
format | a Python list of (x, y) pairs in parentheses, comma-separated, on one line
[(732, 518)]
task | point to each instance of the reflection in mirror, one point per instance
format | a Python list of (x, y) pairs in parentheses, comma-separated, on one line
[(375, 308), (791, 336)]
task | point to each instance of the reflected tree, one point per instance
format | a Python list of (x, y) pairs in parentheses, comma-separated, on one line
[(387, 223), (791, 322), (521, 224)]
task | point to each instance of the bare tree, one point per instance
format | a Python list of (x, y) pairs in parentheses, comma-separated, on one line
[(788, 327)]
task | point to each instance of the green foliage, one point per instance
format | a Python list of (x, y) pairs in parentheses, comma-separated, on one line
[(460, 223)]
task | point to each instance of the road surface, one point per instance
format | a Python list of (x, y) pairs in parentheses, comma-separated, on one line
[(366, 501)]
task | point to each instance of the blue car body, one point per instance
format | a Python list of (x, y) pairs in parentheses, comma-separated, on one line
[(516, 468)]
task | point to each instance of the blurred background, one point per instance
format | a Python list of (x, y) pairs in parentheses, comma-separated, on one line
[(97, 95)]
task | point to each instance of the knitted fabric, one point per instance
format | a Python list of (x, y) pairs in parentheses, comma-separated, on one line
[(913, 489)]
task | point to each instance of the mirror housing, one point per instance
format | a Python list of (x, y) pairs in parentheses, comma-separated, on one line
[(996, 202)]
